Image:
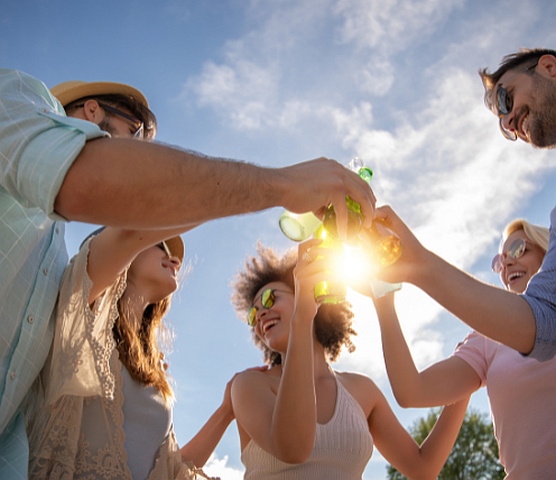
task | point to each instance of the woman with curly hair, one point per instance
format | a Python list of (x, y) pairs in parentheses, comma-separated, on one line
[(300, 419)]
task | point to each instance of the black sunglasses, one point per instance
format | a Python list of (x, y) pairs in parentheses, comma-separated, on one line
[(137, 124), (505, 104)]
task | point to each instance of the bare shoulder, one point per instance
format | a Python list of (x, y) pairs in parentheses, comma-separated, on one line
[(250, 380), (362, 389), (355, 380)]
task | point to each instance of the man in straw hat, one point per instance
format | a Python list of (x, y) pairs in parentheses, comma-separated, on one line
[(88, 166)]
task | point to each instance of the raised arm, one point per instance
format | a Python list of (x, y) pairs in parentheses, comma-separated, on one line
[(401, 450), (491, 311), (201, 446), (442, 383), (156, 186), (281, 417)]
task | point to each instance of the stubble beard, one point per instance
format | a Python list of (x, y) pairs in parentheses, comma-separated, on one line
[(542, 118)]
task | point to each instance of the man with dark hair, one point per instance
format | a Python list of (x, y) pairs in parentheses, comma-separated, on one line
[(88, 166), (522, 93)]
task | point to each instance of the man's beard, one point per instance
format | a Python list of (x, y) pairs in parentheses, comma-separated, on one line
[(104, 124), (542, 123)]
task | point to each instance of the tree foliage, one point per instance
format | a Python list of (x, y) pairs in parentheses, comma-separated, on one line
[(475, 453)]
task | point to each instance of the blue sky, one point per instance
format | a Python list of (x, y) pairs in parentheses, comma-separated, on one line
[(274, 83)]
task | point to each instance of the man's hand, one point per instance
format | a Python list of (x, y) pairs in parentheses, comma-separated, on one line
[(314, 185)]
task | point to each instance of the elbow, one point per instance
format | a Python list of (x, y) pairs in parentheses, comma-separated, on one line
[(293, 458), (404, 399), (294, 454)]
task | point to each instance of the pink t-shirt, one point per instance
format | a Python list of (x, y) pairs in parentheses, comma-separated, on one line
[(522, 396)]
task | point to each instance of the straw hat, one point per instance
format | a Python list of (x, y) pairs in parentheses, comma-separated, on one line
[(176, 247), (68, 92), (174, 244)]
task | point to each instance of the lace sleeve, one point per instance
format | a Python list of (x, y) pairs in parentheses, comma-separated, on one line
[(83, 340)]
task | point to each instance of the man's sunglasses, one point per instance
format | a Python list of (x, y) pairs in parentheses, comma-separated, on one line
[(138, 125), (516, 250), (505, 104)]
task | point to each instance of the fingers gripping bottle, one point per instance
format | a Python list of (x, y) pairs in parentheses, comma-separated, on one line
[(380, 242), (384, 244)]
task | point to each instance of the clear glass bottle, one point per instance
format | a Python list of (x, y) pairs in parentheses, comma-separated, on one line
[(298, 226)]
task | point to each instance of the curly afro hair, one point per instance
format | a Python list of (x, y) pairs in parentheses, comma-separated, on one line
[(333, 323)]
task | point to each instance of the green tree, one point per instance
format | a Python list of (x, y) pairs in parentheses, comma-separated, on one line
[(475, 453)]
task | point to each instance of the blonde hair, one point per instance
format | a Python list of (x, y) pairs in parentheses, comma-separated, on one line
[(537, 234)]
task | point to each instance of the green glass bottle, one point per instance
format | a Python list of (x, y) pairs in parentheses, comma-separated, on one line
[(329, 292)]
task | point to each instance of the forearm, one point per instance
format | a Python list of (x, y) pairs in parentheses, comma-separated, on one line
[(201, 446), (498, 314), (140, 185), (294, 421), (402, 372), (145, 185), (438, 445)]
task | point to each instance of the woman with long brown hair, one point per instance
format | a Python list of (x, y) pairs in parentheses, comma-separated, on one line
[(108, 398)]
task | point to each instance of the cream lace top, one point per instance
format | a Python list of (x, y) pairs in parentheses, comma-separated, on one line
[(83, 381)]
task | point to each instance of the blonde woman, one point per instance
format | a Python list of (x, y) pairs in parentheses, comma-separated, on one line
[(521, 390)]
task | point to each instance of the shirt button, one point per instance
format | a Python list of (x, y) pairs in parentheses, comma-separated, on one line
[(30, 319), (45, 271), (12, 375)]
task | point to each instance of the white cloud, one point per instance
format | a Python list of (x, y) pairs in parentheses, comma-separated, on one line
[(392, 24), (218, 467), (290, 63)]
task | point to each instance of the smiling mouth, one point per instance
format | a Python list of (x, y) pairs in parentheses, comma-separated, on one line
[(524, 127), (514, 276), (268, 325), (174, 271)]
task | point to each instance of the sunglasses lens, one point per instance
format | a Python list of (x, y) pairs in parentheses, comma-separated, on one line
[(504, 101), (252, 316), (517, 249), (267, 298), (497, 264)]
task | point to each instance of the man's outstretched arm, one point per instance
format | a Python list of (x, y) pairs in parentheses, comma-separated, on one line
[(147, 185)]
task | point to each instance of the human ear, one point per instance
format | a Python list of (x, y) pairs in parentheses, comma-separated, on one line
[(92, 111), (547, 64)]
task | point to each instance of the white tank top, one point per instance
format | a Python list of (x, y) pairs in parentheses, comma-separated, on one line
[(343, 446)]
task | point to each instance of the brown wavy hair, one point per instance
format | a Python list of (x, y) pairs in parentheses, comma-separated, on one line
[(140, 350), (333, 323)]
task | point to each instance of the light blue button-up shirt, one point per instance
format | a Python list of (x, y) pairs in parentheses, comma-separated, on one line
[(38, 144)]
